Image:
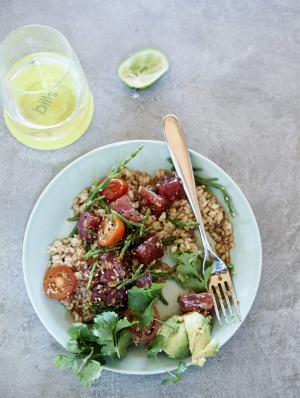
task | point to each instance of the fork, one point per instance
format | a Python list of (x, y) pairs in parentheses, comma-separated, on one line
[(220, 284)]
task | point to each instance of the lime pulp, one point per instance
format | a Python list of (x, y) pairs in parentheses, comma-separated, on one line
[(143, 68)]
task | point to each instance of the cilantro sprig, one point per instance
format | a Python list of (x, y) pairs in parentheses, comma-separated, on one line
[(153, 349), (141, 300), (109, 337), (189, 270)]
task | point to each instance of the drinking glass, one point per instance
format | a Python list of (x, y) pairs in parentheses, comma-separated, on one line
[(46, 99)]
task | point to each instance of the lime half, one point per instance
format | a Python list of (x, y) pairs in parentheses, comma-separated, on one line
[(143, 68)]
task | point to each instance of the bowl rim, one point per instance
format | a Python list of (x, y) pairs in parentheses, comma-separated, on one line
[(116, 145)]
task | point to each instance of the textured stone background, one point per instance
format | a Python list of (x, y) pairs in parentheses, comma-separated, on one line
[(234, 83)]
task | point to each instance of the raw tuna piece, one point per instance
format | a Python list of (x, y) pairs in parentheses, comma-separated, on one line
[(199, 302), (124, 207), (145, 280), (111, 268), (105, 296), (149, 250), (88, 221), (86, 272), (170, 186), (157, 203)]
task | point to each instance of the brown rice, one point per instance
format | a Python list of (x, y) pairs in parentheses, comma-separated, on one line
[(71, 251)]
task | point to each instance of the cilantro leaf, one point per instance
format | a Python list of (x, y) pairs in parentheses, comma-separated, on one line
[(206, 276), (156, 345), (111, 334), (189, 264), (80, 331), (85, 354), (108, 336), (189, 272), (90, 371), (123, 343), (194, 284), (104, 326), (109, 349), (140, 297), (175, 378), (72, 346), (148, 315), (122, 324), (64, 361)]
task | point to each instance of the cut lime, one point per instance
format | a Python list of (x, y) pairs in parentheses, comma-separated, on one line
[(143, 68)]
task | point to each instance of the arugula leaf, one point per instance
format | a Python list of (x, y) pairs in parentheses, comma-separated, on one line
[(140, 297)]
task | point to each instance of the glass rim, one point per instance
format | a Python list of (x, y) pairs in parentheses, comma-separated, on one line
[(68, 56)]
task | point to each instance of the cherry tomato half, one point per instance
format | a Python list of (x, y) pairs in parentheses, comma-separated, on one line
[(111, 231), (118, 188), (59, 282), (148, 333)]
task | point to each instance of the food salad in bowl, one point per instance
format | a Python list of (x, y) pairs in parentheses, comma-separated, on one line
[(129, 272)]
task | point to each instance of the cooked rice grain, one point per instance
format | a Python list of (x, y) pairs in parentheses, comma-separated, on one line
[(70, 251)]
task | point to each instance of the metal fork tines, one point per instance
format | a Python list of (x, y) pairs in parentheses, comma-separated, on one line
[(222, 290), (220, 284)]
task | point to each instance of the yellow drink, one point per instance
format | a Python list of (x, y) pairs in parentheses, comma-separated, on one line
[(52, 106)]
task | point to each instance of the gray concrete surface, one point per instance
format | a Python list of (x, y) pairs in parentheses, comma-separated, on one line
[(234, 83)]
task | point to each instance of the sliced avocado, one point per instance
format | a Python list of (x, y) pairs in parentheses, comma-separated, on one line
[(200, 343), (176, 343)]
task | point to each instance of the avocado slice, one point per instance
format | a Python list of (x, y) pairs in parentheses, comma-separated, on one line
[(200, 343), (176, 343)]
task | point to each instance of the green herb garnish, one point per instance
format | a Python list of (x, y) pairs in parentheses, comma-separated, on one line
[(180, 223), (210, 182), (141, 300), (129, 223), (95, 252), (92, 274), (189, 270), (109, 337), (96, 187), (155, 347)]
